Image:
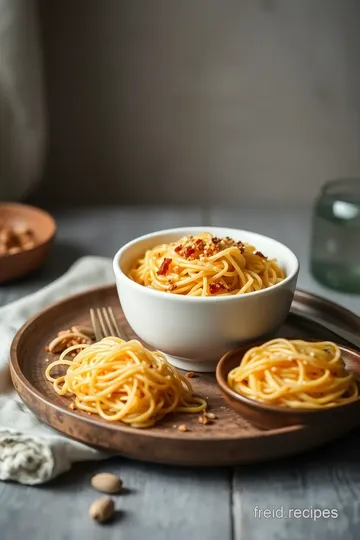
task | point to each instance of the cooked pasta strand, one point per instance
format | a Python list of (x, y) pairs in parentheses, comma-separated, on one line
[(295, 374), (204, 265), (123, 381)]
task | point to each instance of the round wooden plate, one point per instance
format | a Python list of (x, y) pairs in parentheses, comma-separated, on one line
[(229, 440)]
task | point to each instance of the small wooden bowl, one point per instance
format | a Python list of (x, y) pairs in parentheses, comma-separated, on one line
[(271, 416), (16, 265)]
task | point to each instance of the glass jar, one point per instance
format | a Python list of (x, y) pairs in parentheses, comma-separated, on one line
[(335, 246)]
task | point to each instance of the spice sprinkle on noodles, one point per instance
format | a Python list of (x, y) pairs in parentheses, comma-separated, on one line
[(205, 265)]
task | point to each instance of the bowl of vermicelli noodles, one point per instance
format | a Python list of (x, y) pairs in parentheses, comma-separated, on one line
[(194, 293), (287, 381)]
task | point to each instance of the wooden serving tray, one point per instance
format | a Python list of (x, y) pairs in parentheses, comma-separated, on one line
[(229, 440)]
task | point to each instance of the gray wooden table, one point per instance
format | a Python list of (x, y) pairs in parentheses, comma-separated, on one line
[(193, 504)]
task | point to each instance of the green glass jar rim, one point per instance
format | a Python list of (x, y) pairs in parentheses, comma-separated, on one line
[(344, 186)]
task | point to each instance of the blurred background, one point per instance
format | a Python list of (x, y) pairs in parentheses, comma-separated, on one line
[(205, 102)]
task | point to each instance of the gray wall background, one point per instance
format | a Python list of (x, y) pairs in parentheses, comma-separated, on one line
[(200, 101)]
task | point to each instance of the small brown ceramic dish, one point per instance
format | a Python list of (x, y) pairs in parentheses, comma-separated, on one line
[(270, 416), (41, 224)]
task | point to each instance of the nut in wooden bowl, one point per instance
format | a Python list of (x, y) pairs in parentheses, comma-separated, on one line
[(26, 235)]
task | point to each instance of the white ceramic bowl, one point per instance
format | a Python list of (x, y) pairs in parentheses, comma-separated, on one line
[(194, 332)]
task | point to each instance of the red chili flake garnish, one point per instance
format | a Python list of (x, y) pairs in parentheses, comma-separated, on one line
[(241, 247), (260, 254), (163, 270), (188, 251), (216, 287), (178, 249), (199, 244)]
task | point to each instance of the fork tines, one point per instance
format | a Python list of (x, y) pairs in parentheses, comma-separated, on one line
[(104, 323)]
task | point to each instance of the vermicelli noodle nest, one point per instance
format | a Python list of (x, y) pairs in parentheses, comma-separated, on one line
[(295, 374), (123, 381)]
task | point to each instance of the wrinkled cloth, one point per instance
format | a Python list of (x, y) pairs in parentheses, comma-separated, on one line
[(31, 452)]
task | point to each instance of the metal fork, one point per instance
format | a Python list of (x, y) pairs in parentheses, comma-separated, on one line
[(104, 323)]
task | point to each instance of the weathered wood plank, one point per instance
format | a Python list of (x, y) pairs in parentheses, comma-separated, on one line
[(323, 486), (327, 478), (159, 502)]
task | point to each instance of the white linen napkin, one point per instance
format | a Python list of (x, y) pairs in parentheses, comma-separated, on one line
[(31, 452)]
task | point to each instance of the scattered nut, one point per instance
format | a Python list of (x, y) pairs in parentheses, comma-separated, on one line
[(68, 338), (102, 509), (191, 375), (28, 245), (72, 406), (182, 427), (107, 483), (13, 250), (210, 415), (204, 420)]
